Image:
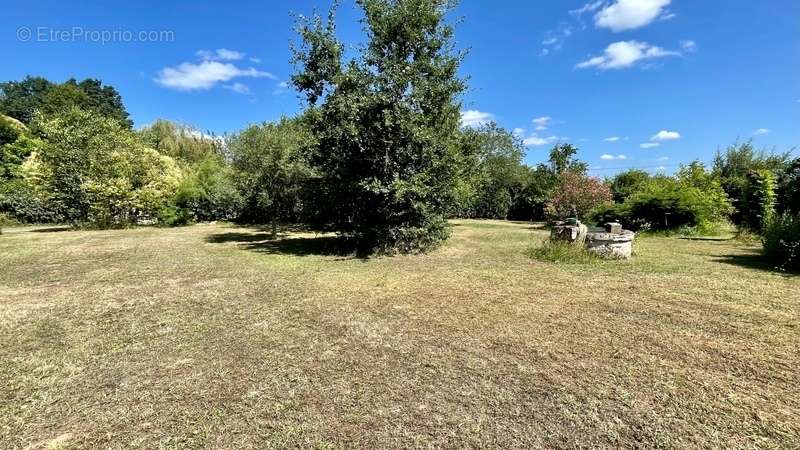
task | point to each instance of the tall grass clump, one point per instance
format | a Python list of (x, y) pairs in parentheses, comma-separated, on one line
[(562, 252)]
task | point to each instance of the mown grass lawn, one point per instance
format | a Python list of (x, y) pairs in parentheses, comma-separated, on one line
[(216, 336)]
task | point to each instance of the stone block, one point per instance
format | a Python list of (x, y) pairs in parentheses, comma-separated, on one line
[(613, 227)]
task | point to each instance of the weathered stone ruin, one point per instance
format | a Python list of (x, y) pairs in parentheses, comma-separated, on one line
[(612, 242)]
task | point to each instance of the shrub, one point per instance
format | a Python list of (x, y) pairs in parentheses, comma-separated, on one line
[(694, 198), (578, 192), (207, 192), (781, 239), (134, 185), (21, 201), (172, 215)]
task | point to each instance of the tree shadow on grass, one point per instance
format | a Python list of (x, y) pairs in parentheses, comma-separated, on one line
[(54, 229), (754, 260), (284, 244), (707, 239)]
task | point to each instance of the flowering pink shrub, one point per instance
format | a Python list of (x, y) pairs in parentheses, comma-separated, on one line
[(578, 191)]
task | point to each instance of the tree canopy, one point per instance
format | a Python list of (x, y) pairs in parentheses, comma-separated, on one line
[(385, 122), (21, 99)]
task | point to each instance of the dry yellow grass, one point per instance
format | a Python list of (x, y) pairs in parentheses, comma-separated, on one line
[(215, 336)]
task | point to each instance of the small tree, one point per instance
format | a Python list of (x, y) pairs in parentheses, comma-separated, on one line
[(759, 199), (577, 192)]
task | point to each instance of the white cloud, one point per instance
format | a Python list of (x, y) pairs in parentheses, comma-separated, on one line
[(474, 118), (622, 157), (663, 158), (623, 54), (542, 122), (221, 54), (587, 8), (239, 88), (689, 46), (630, 14), (255, 60), (612, 139), (189, 76), (649, 145), (197, 134), (281, 88), (667, 16), (554, 39), (665, 135), (537, 140), (606, 156), (760, 131)]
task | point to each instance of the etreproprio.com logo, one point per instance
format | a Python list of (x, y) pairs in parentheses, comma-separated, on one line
[(98, 36)]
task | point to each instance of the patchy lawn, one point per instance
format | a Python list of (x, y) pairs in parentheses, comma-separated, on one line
[(217, 336)]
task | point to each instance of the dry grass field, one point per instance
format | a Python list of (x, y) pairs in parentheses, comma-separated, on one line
[(214, 336)]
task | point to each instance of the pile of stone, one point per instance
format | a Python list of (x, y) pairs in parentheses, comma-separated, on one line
[(612, 243)]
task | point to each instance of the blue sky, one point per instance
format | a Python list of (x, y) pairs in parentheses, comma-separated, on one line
[(632, 83)]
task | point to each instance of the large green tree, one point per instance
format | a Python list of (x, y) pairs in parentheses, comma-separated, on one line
[(385, 122), (493, 176), (21, 99)]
